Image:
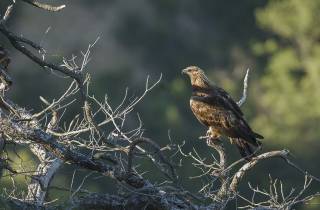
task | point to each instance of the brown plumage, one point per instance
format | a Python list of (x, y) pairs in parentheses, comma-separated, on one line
[(214, 108)]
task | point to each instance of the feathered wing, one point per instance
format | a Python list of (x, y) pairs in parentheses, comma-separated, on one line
[(235, 108), (246, 151), (217, 109)]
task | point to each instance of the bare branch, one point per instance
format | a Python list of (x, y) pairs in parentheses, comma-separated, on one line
[(140, 140), (245, 87), (48, 166), (238, 176), (7, 14), (47, 7)]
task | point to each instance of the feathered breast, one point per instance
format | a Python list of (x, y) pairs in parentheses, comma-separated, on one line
[(207, 114)]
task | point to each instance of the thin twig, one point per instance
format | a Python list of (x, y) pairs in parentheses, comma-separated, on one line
[(47, 7)]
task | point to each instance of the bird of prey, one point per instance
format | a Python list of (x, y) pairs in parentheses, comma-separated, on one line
[(215, 108)]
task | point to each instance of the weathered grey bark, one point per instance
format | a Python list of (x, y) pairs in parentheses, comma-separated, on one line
[(45, 171)]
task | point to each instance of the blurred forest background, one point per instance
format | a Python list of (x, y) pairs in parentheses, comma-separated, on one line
[(279, 40)]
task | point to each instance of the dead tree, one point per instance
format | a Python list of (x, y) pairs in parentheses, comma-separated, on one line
[(114, 154)]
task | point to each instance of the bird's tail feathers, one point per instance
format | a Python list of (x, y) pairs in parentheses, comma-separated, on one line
[(245, 149), (258, 136)]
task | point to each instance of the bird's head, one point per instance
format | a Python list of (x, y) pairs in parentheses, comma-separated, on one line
[(192, 71), (197, 76)]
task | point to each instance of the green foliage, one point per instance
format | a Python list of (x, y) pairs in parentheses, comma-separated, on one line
[(290, 97)]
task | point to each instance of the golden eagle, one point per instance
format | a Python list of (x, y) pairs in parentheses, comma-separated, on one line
[(214, 108)]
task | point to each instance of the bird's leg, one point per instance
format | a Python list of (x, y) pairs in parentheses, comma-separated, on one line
[(211, 134)]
